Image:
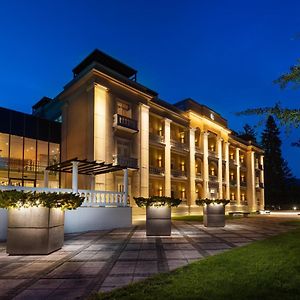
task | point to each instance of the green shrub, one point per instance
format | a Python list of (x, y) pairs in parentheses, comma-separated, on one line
[(157, 201), (206, 201), (18, 199)]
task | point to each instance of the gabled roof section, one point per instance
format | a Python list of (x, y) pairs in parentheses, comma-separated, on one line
[(106, 60), (203, 110)]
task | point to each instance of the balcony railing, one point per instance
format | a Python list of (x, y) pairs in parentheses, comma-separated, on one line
[(243, 183), (261, 185), (244, 202), (123, 161), (233, 182), (212, 154), (156, 170), (179, 145), (124, 122), (156, 138), (213, 178), (178, 173)]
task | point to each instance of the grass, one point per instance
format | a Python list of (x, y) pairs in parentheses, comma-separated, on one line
[(268, 269)]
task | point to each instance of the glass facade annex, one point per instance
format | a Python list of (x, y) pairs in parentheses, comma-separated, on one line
[(27, 146)]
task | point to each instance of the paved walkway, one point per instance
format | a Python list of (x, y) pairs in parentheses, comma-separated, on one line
[(105, 260)]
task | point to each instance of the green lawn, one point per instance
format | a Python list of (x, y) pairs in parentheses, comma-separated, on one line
[(268, 269)]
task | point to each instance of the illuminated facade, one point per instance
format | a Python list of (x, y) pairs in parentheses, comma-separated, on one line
[(185, 150)]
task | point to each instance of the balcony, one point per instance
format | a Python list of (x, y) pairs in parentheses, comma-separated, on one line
[(156, 138), (233, 182), (199, 176), (125, 124), (213, 178), (128, 162), (178, 173), (243, 184), (212, 154), (244, 202), (156, 170), (179, 146)]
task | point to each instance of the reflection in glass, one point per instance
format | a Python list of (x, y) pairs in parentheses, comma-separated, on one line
[(4, 148), (16, 156), (29, 158)]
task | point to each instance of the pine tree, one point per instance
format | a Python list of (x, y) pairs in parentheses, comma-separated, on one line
[(275, 167), (248, 133)]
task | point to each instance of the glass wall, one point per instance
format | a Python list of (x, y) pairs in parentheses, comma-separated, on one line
[(23, 161)]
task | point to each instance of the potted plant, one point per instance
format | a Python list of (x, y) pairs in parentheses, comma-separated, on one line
[(36, 220), (158, 214), (213, 211)]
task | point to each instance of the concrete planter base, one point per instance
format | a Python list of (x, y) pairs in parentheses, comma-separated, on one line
[(214, 215), (35, 230), (158, 221)]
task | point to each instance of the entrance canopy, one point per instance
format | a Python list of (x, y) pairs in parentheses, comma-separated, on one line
[(84, 167)]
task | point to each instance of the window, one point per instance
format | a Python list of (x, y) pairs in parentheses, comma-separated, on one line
[(123, 109), (29, 158), (16, 156), (231, 176), (4, 148), (123, 148)]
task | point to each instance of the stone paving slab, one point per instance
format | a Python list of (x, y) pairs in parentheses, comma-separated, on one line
[(104, 260)]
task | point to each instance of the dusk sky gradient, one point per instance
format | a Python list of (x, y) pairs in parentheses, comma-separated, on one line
[(224, 54)]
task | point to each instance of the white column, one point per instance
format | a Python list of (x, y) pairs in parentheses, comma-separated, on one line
[(75, 176), (251, 196), (144, 150), (167, 135), (220, 167), (125, 183), (227, 170), (205, 164), (46, 178), (238, 186), (262, 180), (192, 168)]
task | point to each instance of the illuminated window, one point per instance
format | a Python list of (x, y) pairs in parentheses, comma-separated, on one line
[(243, 197), (243, 178), (182, 138), (212, 147), (160, 131), (232, 196), (212, 171), (242, 158), (182, 193), (159, 162), (231, 155), (182, 166), (231, 176), (123, 109), (160, 192)]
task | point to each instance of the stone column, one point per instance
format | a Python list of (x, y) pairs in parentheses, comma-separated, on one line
[(75, 176), (262, 180), (46, 178), (205, 164), (238, 185), (251, 196), (227, 170), (144, 150), (220, 166), (167, 135), (192, 169)]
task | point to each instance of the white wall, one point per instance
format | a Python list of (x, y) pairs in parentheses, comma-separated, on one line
[(3, 224), (97, 218)]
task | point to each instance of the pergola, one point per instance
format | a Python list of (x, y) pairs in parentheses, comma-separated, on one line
[(77, 166)]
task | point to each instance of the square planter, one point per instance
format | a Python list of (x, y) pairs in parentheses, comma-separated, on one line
[(214, 215), (35, 230), (158, 221)]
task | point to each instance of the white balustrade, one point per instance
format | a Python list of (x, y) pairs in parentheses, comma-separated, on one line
[(92, 198)]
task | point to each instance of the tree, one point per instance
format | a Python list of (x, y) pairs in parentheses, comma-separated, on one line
[(275, 181), (288, 117), (248, 133)]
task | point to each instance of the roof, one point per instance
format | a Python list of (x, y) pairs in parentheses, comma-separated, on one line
[(85, 167), (190, 104), (107, 61)]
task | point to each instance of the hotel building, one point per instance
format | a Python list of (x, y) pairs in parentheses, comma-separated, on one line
[(185, 150)]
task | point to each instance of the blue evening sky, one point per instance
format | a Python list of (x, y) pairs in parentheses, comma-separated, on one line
[(225, 54)]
